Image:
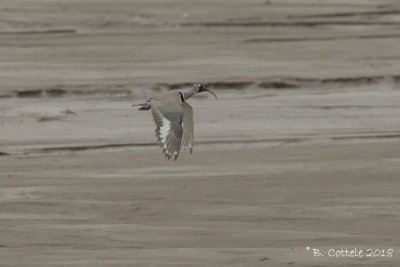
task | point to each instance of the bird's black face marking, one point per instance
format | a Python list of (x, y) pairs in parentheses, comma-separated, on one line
[(200, 88)]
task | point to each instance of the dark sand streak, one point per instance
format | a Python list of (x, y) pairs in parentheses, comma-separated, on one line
[(285, 24), (310, 39), (59, 31), (270, 83), (349, 14), (219, 142)]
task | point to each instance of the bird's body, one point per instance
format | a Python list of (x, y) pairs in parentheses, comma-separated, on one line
[(173, 117)]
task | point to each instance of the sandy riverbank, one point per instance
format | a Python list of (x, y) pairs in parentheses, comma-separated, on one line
[(301, 148)]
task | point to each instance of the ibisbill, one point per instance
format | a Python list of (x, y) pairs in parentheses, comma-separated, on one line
[(173, 117)]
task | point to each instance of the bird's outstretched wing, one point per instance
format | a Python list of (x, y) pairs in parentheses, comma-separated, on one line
[(188, 128), (168, 116)]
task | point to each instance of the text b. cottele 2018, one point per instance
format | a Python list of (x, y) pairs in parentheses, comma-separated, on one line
[(353, 252)]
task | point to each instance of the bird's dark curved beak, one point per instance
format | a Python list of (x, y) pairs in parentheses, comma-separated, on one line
[(211, 92)]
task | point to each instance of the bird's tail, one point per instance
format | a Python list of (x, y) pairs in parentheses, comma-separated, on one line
[(144, 106)]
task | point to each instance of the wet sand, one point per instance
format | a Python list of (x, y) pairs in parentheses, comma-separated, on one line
[(300, 150)]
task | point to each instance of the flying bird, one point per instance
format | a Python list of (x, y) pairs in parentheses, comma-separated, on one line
[(173, 117)]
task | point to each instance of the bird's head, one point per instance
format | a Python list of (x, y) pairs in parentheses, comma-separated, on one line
[(200, 88)]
